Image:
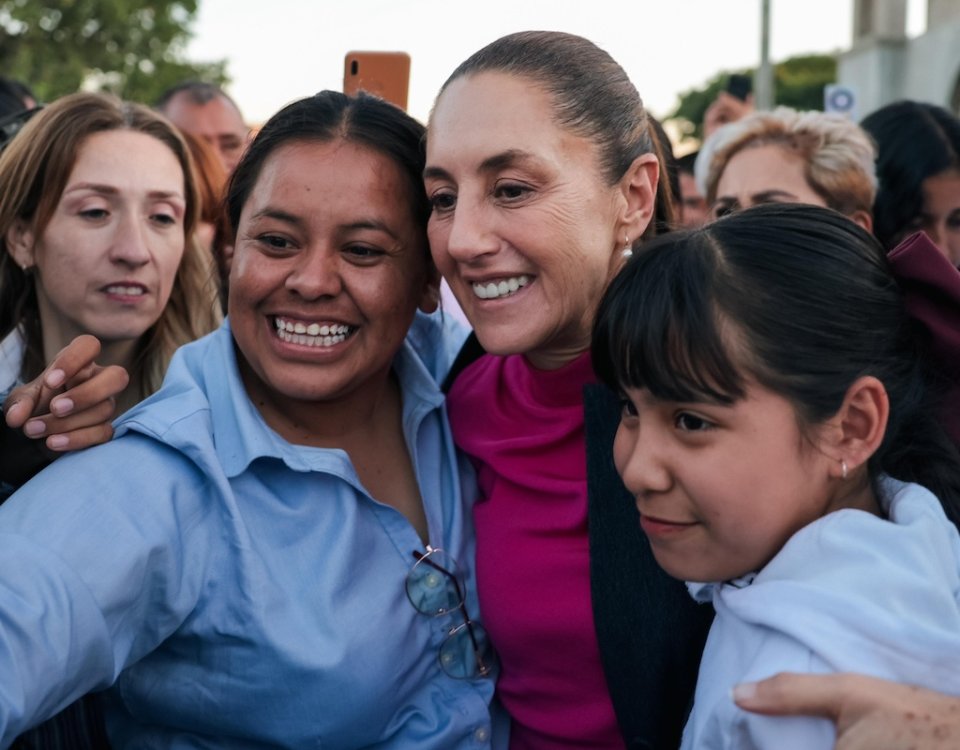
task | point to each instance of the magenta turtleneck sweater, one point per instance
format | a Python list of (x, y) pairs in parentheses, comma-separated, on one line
[(523, 428)]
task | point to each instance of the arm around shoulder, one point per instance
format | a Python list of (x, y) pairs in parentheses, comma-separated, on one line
[(869, 713)]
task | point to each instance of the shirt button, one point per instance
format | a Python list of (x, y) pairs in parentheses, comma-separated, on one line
[(482, 734)]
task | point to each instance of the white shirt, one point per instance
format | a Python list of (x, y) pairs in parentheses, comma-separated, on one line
[(849, 592)]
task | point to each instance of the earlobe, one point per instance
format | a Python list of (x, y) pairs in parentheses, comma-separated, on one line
[(639, 188), (19, 240), (862, 422)]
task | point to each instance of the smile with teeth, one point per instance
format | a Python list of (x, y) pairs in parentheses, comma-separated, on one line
[(311, 334), (503, 288), (122, 290)]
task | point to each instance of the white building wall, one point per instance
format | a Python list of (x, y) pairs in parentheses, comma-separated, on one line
[(881, 68)]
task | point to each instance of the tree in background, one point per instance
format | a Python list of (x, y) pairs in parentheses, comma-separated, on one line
[(798, 83), (132, 48)]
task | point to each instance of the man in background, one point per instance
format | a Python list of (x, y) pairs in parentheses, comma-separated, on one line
[(206, 111)]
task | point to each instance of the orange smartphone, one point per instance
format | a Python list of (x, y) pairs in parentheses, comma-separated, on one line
[(386, 74)]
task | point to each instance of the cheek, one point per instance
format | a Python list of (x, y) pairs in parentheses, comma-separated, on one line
[(62, 274), (242, 270), (437, 238), (170, 260)]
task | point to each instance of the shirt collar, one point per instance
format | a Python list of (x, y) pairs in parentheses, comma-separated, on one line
[(242, 436)]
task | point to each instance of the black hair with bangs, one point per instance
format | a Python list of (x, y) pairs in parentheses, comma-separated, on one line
[(658, 328), (797, 298)]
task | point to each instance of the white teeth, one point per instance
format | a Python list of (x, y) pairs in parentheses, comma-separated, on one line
[(125, 291), (494, 290), (313, 334)]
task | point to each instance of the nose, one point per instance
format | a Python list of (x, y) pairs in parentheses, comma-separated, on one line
[(316, 273), (471, 234), (129, 246), (640, 460)]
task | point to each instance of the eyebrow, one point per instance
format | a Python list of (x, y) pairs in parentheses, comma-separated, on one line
[(279, 215), (111, 190), (768, 194), (510, 157)]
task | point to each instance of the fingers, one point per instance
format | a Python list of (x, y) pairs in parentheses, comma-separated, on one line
[(75, 356), (82, 428), (75, 439), (786, 693), (72, 401), (35, 397)]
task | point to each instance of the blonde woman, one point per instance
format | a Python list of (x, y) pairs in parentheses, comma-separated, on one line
[(790, 156)]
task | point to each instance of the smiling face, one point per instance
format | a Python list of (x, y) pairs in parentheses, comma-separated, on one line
[(720, 488), (524, 225), (329, 269), (106, 261), (763, 174)]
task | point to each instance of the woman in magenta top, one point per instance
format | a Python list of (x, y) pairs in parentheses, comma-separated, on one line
[(542, 173)]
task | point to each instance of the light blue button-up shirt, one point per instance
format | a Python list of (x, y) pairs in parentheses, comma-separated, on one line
[(237, 590)]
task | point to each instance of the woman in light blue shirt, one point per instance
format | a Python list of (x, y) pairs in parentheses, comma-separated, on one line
[(267, 555)]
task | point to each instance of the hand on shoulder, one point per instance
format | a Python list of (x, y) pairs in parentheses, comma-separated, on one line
[(72, 402), (870, 713)]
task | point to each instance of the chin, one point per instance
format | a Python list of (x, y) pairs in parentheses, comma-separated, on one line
[(501, 341), (118, 335)]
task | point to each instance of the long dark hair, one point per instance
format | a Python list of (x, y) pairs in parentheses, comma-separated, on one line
[(799, 299), (915, 140)]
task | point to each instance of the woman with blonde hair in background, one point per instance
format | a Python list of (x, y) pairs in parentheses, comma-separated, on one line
[(790, 156)]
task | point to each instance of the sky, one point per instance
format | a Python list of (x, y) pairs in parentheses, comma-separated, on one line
[(281, 50)]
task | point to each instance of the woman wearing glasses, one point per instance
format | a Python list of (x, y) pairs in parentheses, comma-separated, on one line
[(272, 557)]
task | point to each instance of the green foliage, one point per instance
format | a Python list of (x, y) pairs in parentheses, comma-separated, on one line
[(132, 48), (798, 83)]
